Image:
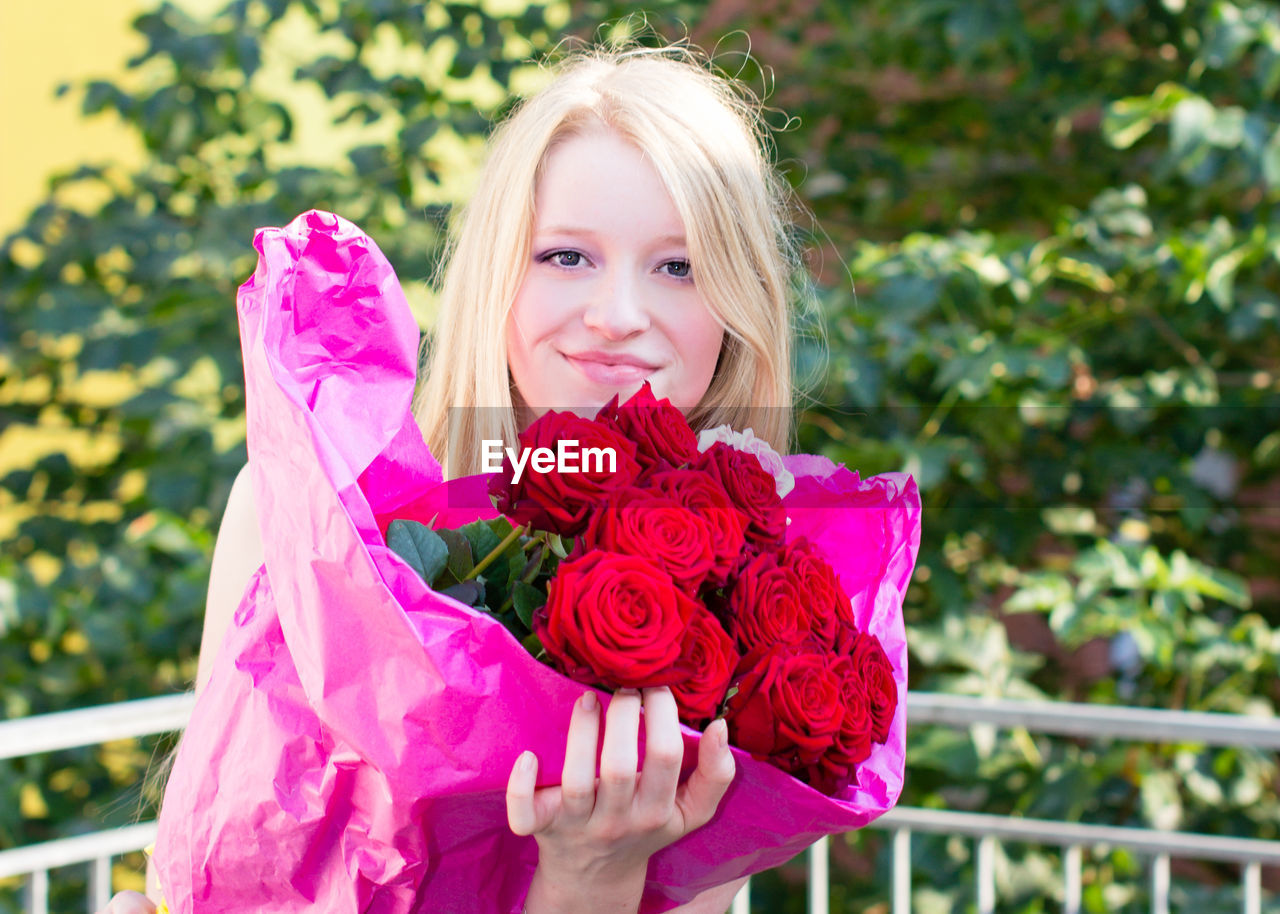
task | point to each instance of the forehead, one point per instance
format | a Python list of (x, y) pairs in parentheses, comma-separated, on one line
[(602, 178)]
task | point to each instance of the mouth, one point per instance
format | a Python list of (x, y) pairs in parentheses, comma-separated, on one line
[(602, 368)]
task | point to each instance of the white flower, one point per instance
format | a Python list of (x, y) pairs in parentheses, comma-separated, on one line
[(747, 441)]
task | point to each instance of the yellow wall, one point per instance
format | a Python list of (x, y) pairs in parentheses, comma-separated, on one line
[(47, 42), (43, 43)]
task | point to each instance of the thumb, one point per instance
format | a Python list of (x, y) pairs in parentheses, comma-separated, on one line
[(700, 796)]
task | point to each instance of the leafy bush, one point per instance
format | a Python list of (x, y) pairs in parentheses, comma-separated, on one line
[(1046, 243)]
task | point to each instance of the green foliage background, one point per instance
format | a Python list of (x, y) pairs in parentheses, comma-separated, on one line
[(1047, 242)]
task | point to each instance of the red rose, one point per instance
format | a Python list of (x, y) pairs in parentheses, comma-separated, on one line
[(710, 658), (876, 674), (828, 605), (838, 766), (788, 708), (562, 501), (636, 522), (615, 620), (658, 429), (702, 494), (752, 490), (768, 605)]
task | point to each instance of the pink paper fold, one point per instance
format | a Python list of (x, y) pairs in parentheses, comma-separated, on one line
[(351, 750)]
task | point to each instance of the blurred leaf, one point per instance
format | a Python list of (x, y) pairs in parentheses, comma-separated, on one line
[(420, 546), (526, 599)]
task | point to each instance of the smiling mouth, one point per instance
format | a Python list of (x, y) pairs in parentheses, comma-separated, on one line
[(605, 372)]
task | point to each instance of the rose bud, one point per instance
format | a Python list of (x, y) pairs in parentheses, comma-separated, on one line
[(659, 430)]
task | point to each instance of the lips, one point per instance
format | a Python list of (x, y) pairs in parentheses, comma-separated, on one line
[(610, 368)]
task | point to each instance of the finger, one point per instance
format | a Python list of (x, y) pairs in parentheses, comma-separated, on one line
[(663, 753), (699, 797), (578, 777), (525, 813), (619, 756)]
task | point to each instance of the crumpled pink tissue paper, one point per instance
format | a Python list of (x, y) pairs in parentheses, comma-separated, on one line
[(351, 750)]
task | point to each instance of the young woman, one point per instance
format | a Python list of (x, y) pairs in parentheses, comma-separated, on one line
[(627, 226)]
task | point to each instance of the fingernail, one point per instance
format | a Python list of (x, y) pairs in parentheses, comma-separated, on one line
[(526, 761), (722, 732), (589, 701), (629, 692)]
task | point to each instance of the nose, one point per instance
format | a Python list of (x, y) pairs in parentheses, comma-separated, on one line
[(617, 308)]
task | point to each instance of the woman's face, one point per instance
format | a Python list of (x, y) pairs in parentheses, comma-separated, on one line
[(608, 299)]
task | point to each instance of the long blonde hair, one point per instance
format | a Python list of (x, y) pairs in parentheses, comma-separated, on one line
[(704, 136)]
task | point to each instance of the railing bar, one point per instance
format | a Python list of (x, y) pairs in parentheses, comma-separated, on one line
[(986, 875), (99, 883), (92, 726), (819, 876), (38, 892), (902, 871), (163, 714), (80, 849), (1072, 864), (742, 901), (1081, 719), (1251, 886), (1043, 831), (1160, 884)]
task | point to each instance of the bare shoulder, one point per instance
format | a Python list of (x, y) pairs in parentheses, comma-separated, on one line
[(237, 553)]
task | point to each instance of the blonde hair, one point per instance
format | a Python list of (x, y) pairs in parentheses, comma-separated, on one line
[(705, 138)]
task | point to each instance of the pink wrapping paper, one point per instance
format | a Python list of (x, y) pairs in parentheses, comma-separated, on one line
[(351, 750)]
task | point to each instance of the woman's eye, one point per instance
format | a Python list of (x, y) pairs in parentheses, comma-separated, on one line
[(682, 268), (574, 258)]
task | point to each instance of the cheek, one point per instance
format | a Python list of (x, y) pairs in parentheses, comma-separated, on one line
[(519, 357), (700, 341)]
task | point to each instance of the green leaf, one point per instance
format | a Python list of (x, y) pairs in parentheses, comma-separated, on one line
[(420, 546), (470, 592), (533, 644), (461, 558), (1127, 120), (1188, 575), (1267, 452), (484, 541), (1040, 592), (526, 598), (481, 537), (537, 561), (1271, 161), (556, 544), (1161, 799)]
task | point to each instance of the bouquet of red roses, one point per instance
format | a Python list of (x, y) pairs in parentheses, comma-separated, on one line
[(666, 563), (351, 749)]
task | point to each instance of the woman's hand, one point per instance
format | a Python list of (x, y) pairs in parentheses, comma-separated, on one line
[(129, 903), (595, 839)]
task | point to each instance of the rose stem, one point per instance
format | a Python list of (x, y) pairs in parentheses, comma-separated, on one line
[(497, 551)]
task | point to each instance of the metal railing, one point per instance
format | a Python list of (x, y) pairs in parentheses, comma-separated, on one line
[(71, 729)]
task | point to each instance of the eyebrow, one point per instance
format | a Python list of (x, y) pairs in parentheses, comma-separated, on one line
[(587, 233)]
